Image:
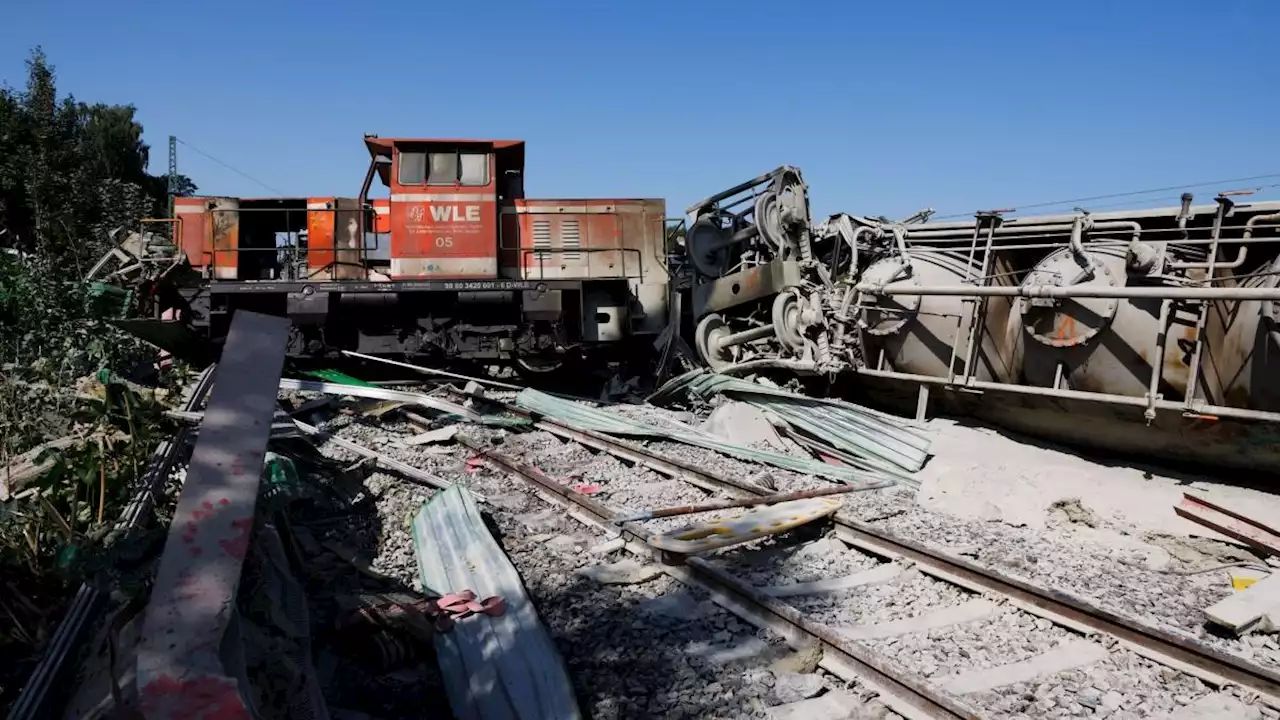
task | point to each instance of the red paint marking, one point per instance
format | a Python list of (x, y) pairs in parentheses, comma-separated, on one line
[(187, 586), (204, 697), (1067, 327), (224, 501), (239, 545), (206, 505), (237, 466)]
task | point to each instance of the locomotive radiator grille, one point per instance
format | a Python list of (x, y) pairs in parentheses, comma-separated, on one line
[(570, 240), (542, 239)]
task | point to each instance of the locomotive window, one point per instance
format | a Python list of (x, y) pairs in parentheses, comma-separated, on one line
[(444, 168), (413, 168), (473, 168), (458, 168)]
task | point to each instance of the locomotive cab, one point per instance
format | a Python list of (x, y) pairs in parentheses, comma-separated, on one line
[(444, 203)]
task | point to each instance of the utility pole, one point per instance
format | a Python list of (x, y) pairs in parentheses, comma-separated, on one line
[(173, 171)]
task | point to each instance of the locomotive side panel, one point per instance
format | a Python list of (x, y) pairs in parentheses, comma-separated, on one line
[(194, 232), (444, 222), (320, 224)]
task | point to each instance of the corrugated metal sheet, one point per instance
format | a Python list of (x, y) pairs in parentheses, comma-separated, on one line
[(493, 667), (600, 421), (842, 425)]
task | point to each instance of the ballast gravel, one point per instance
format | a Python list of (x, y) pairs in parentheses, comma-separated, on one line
[(655, 648)]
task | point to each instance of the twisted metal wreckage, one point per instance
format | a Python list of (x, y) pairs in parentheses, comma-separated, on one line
[(1149, 332)]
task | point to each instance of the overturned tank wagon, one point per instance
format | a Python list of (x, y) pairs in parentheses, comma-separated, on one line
[(453, 263), (1145, 332)]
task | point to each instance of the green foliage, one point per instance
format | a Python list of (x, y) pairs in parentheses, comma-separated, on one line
[(71, 173)]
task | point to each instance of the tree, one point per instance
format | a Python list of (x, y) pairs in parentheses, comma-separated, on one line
[(70, 172), (66, 167)]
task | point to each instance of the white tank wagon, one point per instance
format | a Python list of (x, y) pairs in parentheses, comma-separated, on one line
[(1151, 332)]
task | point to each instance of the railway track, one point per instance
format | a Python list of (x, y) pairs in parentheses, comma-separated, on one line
[(1085, 636), (879, 606)]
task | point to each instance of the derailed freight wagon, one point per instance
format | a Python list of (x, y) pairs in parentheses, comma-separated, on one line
[(1148, 332)]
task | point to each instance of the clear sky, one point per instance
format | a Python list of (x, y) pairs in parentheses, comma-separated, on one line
[(887, 106)]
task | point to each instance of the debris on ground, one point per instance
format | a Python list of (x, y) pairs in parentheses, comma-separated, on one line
[(745, 424), (374, 586), (587, 418), (1230, 523), (1254, 609), (511, 650), (875, 439), (1073, 511)]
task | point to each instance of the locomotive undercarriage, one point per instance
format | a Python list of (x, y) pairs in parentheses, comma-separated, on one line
[(536, 330)]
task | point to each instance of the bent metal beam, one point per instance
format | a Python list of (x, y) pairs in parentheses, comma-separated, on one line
[(180, 670)]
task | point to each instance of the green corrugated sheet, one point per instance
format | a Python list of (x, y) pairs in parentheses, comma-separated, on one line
[(878, 439), (587, 418), (340, 378)]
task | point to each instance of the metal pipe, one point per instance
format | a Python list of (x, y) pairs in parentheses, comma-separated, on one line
[(1157, 361), (950, 243), (1169, 211), (363, 198), (854, 244), (767, 364), (1240, 256), (1111, 399), (1078, 291), (965, 231), (746, 336), (706, 202)]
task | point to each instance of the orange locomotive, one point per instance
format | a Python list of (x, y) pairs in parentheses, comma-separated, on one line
[(454, 263)]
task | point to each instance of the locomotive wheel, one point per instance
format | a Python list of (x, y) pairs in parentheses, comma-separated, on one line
[(702, 244), (786, 321), (538, 366), (707, 337), (768, 221)]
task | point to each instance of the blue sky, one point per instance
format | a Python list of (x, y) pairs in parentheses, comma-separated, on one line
[(887, 107)]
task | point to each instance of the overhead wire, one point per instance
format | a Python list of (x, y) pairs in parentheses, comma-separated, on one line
[(232, 168), (1134, 193)]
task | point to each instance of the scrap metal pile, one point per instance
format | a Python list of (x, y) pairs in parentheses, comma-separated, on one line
[(725, 549)]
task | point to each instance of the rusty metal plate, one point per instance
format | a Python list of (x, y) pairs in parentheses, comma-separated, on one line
[(1232, 524), (180, 668), (746, 286), (760, 522)]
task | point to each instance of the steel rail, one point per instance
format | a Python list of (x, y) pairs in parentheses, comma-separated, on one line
[(87, 601), (899, 689), (1208, 664)]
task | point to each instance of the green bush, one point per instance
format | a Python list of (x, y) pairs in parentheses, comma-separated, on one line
[(70, 174)]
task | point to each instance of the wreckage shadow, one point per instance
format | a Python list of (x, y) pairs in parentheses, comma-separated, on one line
[(367, 660), (1182, 472), (640, 651)]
